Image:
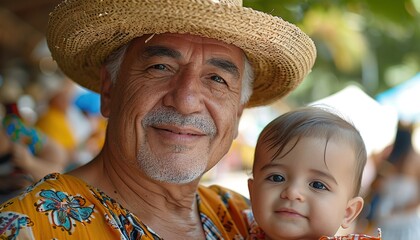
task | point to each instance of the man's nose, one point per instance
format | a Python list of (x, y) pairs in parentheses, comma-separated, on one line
[(185, 93), (293, 191)]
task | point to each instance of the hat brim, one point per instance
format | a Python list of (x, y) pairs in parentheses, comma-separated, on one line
[(81, 34)]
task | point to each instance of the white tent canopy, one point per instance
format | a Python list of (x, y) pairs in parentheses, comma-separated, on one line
[(376, 123)]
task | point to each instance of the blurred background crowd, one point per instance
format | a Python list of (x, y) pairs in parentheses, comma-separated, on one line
[(368, 67)]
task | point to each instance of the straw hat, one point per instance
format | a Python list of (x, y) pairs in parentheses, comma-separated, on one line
[(82, 33)]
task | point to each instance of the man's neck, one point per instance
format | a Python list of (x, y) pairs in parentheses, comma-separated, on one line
[(170, 210)]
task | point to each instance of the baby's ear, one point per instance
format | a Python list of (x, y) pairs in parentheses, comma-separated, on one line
[(354, 207)]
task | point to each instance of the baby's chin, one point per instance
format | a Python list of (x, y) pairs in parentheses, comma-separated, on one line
[(294, 236)]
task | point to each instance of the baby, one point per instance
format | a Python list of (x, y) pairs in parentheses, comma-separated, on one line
[(306, 176)]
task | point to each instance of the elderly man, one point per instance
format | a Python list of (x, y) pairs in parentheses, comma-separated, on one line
[(174, 78)]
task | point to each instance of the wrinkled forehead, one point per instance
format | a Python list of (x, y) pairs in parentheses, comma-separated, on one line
[(186, 42)]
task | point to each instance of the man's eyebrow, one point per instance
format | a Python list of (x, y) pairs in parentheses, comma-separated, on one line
[(225, 65), (153, 51)]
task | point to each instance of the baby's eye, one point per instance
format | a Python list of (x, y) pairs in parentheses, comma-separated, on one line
[(217, 79), (318, 185), (276, 178)]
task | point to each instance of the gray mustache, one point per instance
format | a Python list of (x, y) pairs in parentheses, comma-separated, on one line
[(171, 117)]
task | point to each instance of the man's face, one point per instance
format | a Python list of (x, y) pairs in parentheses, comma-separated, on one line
[(175, 107), (304, 194)]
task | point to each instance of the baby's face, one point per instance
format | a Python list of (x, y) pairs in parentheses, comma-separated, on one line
[(305, 194)]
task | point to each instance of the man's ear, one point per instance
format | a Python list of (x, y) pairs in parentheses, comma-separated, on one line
[(106, 90), (354, 207), (238, 119)]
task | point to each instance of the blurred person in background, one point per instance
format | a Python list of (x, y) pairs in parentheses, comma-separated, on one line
[(72, 119), (26, 154), (55, 121), (396, 197)]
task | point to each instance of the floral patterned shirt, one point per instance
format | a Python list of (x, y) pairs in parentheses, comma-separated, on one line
[(64, 207)]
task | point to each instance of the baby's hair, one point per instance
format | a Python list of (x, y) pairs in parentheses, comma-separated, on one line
[(315, 122)]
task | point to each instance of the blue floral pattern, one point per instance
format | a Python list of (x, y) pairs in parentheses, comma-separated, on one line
[(64, 209), (12, 223)]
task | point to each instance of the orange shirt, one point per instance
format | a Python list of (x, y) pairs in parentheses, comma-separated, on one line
[(65, 207)]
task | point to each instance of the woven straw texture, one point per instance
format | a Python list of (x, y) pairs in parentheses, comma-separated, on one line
[(82, 33)]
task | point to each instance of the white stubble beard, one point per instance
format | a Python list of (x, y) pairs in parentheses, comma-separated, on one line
[(171, 169)]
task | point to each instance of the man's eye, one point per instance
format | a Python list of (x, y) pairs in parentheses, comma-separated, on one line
[(159, 67), (318, 185), (218, 79), (276, 178)]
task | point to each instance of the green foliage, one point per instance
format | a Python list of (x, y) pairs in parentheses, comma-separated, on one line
[(373, 43)]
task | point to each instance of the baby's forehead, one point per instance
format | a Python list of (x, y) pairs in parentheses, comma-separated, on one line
[(327, 149)]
